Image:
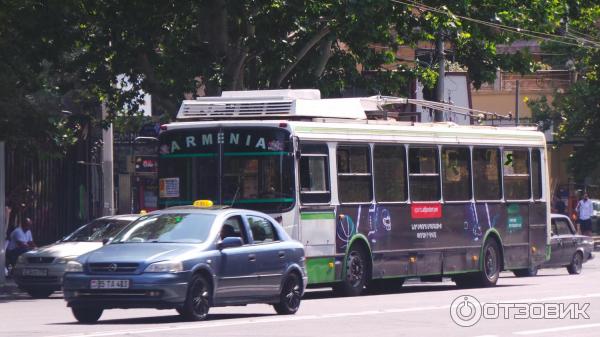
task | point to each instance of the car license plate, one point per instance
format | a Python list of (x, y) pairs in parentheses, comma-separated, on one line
[(34, 272), (109, 284)]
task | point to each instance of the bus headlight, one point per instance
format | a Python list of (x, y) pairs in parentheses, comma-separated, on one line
[(165, 267)]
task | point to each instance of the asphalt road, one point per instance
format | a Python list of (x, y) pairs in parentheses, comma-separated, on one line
[(418, 309)]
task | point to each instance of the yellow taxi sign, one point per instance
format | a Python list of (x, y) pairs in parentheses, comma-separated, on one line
[(203, 203), (143, 212)]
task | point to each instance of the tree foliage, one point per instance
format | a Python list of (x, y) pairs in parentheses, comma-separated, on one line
[(73, 52), (575, 112)]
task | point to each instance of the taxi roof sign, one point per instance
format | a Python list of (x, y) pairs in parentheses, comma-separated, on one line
[(203, 203)]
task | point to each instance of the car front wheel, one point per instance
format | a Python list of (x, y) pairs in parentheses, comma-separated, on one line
[(290, 297), (576, 264), (87, 315), (197, 301)]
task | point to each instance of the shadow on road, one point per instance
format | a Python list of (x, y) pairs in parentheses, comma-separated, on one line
[(324, 293), (165, 319)]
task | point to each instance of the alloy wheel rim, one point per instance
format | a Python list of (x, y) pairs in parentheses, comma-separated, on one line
[(200, 299), (292, 296)]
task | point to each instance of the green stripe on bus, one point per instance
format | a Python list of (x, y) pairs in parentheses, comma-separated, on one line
[(317, 216), (187, 155), (257, 201), (239, 154), (318, 270)]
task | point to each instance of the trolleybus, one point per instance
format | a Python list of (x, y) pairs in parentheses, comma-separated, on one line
[(373, 200)]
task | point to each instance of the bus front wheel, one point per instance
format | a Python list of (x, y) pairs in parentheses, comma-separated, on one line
[(355, 273)]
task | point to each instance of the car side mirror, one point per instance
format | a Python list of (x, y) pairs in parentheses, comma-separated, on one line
[(106, 241), (230, 242)]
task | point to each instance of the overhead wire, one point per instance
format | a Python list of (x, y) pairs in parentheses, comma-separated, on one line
[(521, 31)]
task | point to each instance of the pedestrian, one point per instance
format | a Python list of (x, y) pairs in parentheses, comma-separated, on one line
[(21, 241), (584, 211), (559, 205)]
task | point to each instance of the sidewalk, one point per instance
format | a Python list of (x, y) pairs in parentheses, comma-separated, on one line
[(9, 290)]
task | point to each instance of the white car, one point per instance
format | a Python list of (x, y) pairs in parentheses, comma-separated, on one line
[(40, 272), (568, 249)]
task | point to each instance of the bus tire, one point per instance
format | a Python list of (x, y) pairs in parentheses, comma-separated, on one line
[(490, 271), (526, 272), (356, 273)]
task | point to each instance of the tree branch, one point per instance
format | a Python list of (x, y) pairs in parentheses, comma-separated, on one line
[(307, 47)]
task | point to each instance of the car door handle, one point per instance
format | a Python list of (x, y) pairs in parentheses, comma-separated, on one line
[(251, 257), (281, 254)]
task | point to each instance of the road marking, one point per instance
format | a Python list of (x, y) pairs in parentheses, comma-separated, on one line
[(564, 328), (278, 319)]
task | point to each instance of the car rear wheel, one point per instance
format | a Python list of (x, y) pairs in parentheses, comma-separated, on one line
[(290, 297), (197, 302), (39, 293), (87, 314), (576, 264)]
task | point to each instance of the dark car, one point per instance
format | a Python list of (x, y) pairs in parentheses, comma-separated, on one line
[(40, 272), (190, 259), (568, 249)]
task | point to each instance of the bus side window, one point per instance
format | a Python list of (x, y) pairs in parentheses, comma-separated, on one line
[(456, 173), (390, 173), (516, 174), (314, 174), (354, 174), (424, 174), (486, 174), (536, 173)]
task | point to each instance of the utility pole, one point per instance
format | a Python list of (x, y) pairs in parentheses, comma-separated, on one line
[(439, 115), (517, 89), (108, 185)]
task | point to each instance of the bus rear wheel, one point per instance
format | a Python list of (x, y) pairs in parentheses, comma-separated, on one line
[(355, 273), (490, 269)]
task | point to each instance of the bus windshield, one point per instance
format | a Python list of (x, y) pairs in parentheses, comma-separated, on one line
[(244, 167)]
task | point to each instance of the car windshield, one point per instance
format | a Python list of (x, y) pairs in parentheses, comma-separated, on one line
[(97, 230), (172, 227)]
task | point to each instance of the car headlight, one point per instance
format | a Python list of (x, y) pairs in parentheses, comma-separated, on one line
[(73, 267), (66, 259), (165, 267)]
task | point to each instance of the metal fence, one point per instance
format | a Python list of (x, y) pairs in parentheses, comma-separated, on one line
[(58, 194)]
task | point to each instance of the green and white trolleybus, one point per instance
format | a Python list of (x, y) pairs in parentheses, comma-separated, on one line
[(375, 201)]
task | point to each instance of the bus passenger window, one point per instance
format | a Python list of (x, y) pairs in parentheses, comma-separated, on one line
[(314, 174), (456, 177), (354, 174), (516, 174), (424, 174), (536, 173), (389, 164), (486, 174)]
